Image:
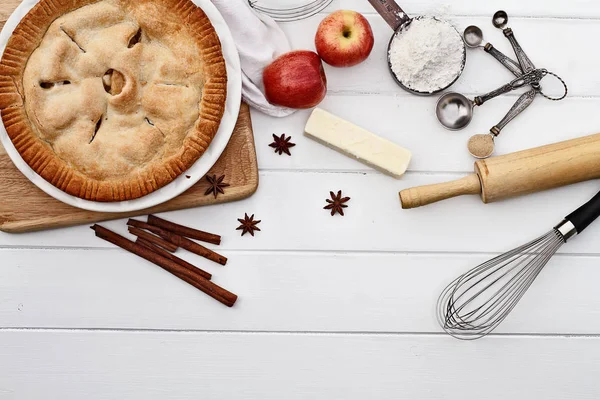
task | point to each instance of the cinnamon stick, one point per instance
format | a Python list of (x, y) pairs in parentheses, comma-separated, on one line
[(184, 230), (193, 278), (180, 241), (212, 290), (155, 240), (160, 251)]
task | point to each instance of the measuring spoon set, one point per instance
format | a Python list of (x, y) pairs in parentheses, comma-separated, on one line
[(455, 111)]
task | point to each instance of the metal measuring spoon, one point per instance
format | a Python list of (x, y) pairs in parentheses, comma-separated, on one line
[(455, 111), (500, 21), (399, 21), (473, 37), (482, 145)]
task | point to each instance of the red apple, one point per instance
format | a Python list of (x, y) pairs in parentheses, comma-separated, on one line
[(296, 80), (344, 39)]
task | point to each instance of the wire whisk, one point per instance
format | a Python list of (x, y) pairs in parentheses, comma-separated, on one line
[(475, 303), (289, 14)]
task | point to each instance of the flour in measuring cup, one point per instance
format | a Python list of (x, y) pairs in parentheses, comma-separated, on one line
[(427, 55)]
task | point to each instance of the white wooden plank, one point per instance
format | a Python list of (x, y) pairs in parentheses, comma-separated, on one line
[(100, 365), (548, 42), (282, 292), (552, 8), (290, 206), (413, 125), (292, 289)]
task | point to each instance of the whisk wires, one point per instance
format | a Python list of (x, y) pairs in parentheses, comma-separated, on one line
[(475, 303), (289, 14)]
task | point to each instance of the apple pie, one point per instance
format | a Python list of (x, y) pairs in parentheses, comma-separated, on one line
[(111, 100)]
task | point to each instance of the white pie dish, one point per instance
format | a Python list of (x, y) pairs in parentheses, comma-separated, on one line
[(180, 184)]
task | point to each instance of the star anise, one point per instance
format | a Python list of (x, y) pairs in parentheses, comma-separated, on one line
[(282, 145), (248, 225), (216, 185), (336, 204)]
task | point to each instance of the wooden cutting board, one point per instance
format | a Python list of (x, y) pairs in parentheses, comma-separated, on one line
[(6, 8), (24, 207)]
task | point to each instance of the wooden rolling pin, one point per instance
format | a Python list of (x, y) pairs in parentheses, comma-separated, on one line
[(514, 174)]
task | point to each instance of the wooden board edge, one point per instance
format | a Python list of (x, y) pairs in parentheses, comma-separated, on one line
[(242, 192), (34, 226)]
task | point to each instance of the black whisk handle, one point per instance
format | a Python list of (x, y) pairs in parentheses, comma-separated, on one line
[(586, 214)]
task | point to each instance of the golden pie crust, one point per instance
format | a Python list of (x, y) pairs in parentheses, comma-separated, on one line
[(111, 100)]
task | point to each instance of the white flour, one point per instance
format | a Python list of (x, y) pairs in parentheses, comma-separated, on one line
[(427, 55)]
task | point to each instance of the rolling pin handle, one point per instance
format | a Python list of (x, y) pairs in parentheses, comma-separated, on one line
[(423, 195)]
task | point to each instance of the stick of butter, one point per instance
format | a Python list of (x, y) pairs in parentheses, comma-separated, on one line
[(358, 143)]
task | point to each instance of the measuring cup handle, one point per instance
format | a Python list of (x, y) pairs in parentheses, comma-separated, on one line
[(530, 78), (391, 12), (508, 62), (525, 62), (520, 105)]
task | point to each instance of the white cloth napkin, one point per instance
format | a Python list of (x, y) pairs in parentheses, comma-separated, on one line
[(259, 41)]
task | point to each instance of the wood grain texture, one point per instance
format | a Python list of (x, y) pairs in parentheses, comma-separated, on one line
[(579, 9), (329, 306), (6, 8), (223, 366), (290, 205), (524, 172), (410, 122), (302, 291), (540, 168), (26, 208), (422, 195), (482, 73)]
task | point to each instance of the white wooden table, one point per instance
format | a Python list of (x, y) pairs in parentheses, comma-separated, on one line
[(335, 308)]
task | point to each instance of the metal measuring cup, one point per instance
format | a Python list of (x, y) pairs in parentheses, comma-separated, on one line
[(399, 21), (464, 106)]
